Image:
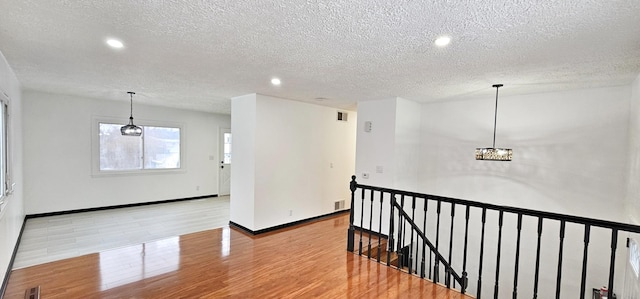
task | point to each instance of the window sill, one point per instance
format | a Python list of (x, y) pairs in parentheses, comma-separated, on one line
[(116, 173)]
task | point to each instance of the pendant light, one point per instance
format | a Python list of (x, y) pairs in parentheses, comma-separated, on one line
[(493, 153), (131, 129)]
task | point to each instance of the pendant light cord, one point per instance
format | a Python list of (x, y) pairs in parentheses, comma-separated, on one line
[(495, 113), (131, 93)]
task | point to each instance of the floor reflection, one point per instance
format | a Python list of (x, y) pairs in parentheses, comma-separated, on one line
[(225, 243), (134, 263)]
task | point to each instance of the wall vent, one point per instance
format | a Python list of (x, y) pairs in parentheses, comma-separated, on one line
[(342, 116), (32, 293), (338, 205)]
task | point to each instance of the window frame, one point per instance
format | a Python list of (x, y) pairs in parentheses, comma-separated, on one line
[(95, 147), (6, 181), (634, 257)]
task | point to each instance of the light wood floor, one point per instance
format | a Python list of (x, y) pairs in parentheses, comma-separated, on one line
[(307, 261), (48, 239)]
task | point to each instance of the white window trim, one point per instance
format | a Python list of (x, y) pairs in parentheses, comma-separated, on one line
[(634, 257), (95, 147), (8, 186)]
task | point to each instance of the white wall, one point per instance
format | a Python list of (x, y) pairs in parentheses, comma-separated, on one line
[(304, 159), (407, 145), (632, 204), (376, 148), (58, 167), (570, 151), (243, 124), (389, 152), (570, 157), (633, 191), (12, 216)]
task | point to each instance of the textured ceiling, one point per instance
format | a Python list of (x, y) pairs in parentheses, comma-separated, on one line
[(199, 54)]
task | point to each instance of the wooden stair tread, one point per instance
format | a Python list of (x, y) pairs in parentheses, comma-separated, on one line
[(365, 239), (383, 253)]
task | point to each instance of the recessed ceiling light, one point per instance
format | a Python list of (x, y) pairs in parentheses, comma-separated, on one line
[(114, 43), (275, 81), (442, 41)]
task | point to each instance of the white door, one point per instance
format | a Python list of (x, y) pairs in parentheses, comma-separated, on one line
[(224, 170)]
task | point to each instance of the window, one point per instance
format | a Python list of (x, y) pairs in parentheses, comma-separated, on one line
[(5, 181), (227, 149), (157, 148), (634, 256)]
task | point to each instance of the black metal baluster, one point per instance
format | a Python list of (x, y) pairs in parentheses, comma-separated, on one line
[(408, 255), (431, 263), (559, 274), (392, 201), (612, 266), (453, 214), (405, 223), (535, 279), (351, 231), (430, 260), (361, 219), (401, 233), (515, 276), (495, 288), (380, 227), (424, 241), (587, 231), (436, 271), (370, 223), (484, 220), (413, 218), (464, 255)]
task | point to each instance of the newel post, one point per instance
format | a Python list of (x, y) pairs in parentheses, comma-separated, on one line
[(351, 231)]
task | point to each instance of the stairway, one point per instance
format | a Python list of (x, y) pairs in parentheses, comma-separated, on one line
[(375, 249)]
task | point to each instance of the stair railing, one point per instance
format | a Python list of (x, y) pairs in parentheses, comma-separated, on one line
[(405, 227), (439, 259), (403, 220)]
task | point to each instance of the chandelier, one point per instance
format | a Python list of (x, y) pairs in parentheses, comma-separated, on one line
[(493, 153)]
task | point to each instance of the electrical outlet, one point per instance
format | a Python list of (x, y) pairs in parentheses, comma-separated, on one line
[(290, 212), (367, 126), (197, 188), (365, 175)]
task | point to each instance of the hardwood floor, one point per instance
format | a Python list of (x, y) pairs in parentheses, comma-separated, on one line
[(53, 238), (306, 261)]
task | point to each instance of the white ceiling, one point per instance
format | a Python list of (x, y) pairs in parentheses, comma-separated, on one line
[(199, 54)]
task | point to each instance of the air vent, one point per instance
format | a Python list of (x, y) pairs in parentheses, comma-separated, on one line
[(342, 116), (32, 293), (338, 205)]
